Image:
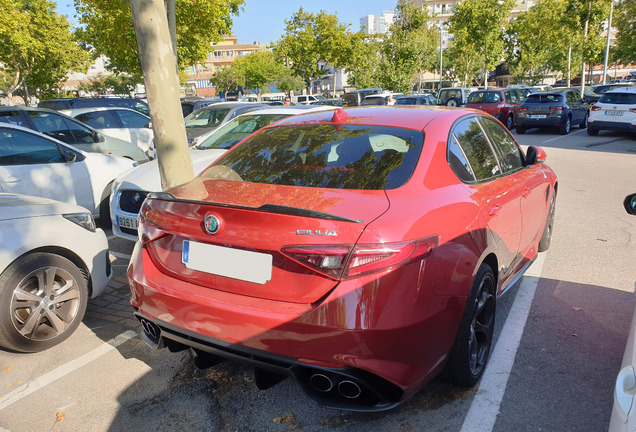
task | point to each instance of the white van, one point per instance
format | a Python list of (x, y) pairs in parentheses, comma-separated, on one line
[(307, 99)]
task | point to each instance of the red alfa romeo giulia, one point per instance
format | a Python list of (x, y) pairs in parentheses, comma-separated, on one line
[(361, 251)]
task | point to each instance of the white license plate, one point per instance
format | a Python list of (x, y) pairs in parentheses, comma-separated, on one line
[(613, 113), (537, 116), (238, 264), (127, 222)]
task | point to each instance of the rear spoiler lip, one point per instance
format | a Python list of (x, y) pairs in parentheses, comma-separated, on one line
[(269, 208)]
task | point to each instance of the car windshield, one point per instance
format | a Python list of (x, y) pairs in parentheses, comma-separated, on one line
[(544, 98), (325, 156), (619, 98), (206, 117), (237, 129)]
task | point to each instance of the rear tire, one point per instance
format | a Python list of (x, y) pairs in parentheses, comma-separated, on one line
[(471, 349), (43, 299), (520, 130), (452, 102), (591, 131), (566, 126)]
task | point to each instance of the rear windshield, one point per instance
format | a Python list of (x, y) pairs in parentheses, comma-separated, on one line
[(325, 156), (619, 98), (484, 97), (544, 98), (237, 129)]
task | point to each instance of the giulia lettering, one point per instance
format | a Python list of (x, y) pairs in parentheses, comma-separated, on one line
[(317, 232)]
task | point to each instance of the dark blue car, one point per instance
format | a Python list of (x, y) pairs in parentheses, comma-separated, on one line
[(560, 109)]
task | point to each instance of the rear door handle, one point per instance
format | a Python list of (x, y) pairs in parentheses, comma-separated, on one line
[(494, 210), (525, 193)]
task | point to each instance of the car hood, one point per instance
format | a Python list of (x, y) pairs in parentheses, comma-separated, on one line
[(146, 176), (14, 206)]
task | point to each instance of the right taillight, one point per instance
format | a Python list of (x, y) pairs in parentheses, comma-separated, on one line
[(343, 262), (595, 108)]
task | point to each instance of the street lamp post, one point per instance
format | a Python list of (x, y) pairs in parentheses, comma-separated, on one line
[(607, 44)]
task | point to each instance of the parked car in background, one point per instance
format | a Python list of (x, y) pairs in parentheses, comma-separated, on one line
[(121, 123), (131, 188), (602, 88), (623, 417), (355, 98), (558, 109), (357, 231), (72, 103), (34, 164), (589, 95), (503, 104), (454, 96), (422, 99), (200, 123), (307, 99), (615, 111), (194, 103), (52, 260), (70, 131), (525, 89), (381, 99)]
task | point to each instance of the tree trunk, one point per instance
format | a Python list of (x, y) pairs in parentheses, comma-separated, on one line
[(158, 63)]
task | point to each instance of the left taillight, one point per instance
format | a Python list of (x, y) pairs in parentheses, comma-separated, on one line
[(345, 262), (147, 227)]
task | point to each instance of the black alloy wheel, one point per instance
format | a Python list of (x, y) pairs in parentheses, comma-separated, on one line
[(471, 349), (566, 126)]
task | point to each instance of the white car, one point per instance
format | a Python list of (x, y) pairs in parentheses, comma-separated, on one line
[(123, 123), (52, 260), (624, 410), (615, 110), (35, 164), (131, 188)]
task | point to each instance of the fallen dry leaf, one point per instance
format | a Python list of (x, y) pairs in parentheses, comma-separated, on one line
[(7, 368), (14, 384), (577, 308), (575, 335)]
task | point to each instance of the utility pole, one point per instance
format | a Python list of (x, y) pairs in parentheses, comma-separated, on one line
[(587, 23), (607, 44), (158, 64)]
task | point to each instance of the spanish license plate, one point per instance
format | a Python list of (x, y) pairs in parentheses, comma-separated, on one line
[(613, 113), (537, 116), (126, 222), (238, 264)]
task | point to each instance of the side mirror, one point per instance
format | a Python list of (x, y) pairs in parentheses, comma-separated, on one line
[(535, 155), (70, 156), (148, 126), (98, 137), (630, 204)]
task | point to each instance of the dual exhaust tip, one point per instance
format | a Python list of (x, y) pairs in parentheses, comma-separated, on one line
[(346, 388)]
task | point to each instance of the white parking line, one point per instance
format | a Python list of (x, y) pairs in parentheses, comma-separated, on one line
[(492, 387), (61, 371), (561, 137)]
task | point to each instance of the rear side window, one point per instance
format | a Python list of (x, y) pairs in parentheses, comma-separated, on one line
[(476, 149), (132, 120), (325, 156), (509, 151), (619, 98), (206, 117)]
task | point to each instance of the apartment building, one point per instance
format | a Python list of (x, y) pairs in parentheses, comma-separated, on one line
[(375, 24)]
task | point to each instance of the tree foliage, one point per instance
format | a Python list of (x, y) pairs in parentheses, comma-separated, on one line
[(311, 41), (408, 48), (107, 29), (625, 22), (256, 70), (37, 47), (477, 27)]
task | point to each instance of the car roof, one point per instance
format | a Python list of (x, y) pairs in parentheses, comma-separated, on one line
[(75, 111), (292, 110), (402, 116)]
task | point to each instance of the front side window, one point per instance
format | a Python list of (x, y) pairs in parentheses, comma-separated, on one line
[(509, 151), (23, 148), (325, 156), (99, 119), (52, 125), (476, 148), (133, 120)]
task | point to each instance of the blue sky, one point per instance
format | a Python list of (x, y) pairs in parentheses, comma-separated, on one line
[(263, 20)]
